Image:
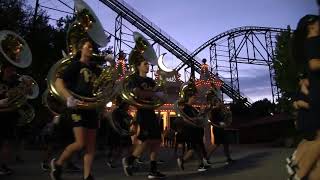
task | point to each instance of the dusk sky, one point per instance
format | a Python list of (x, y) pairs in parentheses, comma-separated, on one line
[(193, 22)]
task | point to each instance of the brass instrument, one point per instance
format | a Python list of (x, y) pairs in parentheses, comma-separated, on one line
[(86, 25), (27, 114), (15, 51), (53, 105), (30, 85), (219, 114), (144, 50), (187, 90), (116, 126)]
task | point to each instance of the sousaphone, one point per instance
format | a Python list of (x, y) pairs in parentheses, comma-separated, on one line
[(142, 49), (26, 114), (219, 114), (187, 90), (53, 105), (86, 25), (15, 51)]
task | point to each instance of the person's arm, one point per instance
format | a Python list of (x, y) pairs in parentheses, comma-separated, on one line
[(61, 88), (61, 84), (304, 86), (300, 104), (4, 102), (144, 93)]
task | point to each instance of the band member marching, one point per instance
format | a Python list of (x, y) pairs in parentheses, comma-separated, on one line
[(9, 118), (55, 133), (193, 134), (79, 77), (120, 136), (149, 125), (14, 92), (220, 117)]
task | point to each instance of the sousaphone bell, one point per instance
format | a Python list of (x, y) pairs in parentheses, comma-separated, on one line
[(142, 49), (86, 25), (15, 51)]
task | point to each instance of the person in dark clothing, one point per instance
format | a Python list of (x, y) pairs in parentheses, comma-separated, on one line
[(149, 125), (193, 134), (78, 77), (222, 118), (119, 137), (9, 119), (306, 44)]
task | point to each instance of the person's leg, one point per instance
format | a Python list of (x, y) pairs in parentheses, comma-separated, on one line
[(154, 150), (47, 155), (56, 165), (90, 151), (6, 153), (19, 143), (185, 156), (110, 152), (226, 151), (176, 149), (79, 134), (127, 162), (139, 149), (212, 149)]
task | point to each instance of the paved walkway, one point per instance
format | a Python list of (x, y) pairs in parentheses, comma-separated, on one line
[(254, 162)]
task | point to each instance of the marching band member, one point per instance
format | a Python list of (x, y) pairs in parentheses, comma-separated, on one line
[(120, 137), (79, 77), (149, 126), (194, 134), (220, 117), (9, 80)]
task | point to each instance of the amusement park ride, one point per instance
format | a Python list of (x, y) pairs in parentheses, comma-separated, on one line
[(245, 45)]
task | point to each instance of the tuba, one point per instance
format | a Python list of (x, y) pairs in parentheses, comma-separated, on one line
[(86, 25), (122, 128), (26, 114), (142, 49), (53, 105), (187, 90), (15, 51), (219, 114)]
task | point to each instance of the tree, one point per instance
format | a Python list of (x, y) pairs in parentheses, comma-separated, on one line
[(15, 16), (286, 71), (262, 108)]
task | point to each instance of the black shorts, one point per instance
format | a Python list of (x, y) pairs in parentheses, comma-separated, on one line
[(220, 136), (194, 135), (84, 118), (149, 125), (8, 125), (180, 138), (125, 141)]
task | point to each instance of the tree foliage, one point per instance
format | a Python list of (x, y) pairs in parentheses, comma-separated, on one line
[(286, 71)]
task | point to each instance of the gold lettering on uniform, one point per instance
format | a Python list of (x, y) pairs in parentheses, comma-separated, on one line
[(145, 86), (86, 74), (75, 117)]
